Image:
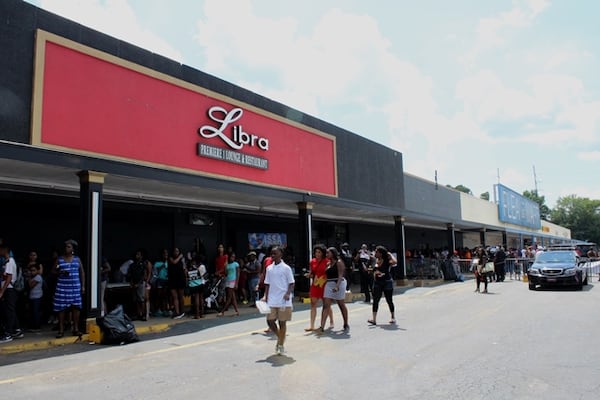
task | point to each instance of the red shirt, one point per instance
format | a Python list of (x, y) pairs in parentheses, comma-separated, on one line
[(220, 263), (317, 269)]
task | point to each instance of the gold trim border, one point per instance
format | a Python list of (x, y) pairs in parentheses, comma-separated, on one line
[(42, 37)]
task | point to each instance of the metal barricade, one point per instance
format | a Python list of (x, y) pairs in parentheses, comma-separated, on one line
[(425, 268), (465, 265)]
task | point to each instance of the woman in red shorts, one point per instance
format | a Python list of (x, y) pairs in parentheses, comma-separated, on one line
[(318, 279)]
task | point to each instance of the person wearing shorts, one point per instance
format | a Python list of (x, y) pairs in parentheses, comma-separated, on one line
[(232, 274), (279, 286), (335, 288)]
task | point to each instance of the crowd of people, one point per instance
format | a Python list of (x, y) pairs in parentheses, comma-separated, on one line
[(35, 292)]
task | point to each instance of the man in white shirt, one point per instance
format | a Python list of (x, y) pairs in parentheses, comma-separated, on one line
[(279, 286)]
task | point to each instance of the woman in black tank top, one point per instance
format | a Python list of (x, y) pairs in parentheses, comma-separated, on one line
[(383, 284)]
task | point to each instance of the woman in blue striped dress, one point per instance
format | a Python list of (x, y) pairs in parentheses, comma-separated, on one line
[(69, 288)]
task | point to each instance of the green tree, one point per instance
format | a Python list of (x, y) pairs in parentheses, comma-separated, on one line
[(461, 188), (541, 200), (485, 196), (580, 215)]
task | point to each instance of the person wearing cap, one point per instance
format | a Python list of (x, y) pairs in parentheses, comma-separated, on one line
[(253, 269), (69, 287), (346, 255)]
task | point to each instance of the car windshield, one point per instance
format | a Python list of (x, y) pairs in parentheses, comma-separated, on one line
[(556, 257)]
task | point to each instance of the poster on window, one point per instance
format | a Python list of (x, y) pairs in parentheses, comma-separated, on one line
[(264, 240)]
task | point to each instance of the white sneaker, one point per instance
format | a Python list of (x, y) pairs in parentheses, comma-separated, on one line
[(179, 316), (5, 339), (279, 350)]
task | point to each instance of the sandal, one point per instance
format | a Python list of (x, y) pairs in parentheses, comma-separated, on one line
[(320, 331), (60, 334), (370, 321), (309, 329), (392, 321), (76, 333)]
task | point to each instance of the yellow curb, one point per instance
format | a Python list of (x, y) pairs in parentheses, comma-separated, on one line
[(142, 330), (27, 345), (16, 347)]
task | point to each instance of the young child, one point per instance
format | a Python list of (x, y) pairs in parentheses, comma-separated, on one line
[(36, 292)]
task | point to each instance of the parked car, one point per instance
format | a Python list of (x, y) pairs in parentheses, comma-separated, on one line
[(558, 268)]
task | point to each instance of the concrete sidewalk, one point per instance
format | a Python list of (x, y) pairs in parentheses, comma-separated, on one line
[(46, 338)]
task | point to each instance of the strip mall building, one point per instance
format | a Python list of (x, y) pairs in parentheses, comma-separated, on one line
[(120, 148)]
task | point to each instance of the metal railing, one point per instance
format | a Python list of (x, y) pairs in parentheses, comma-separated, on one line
[(431, 268), (423, 268)]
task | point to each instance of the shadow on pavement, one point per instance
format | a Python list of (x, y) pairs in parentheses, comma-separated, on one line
[(278, 360)]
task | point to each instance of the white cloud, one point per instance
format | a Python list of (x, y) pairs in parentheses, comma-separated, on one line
[(589, 155), (558, 100), (492, 32), (331, 64), (115, 18)]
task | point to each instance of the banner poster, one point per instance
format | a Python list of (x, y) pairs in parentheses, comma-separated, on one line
[(264, 240)]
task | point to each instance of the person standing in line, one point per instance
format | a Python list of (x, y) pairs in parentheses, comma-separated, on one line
[(383, 283), (70, 286), (196, 271), (499, 264), (480, 276), (242, 287), (177, 281), (346, 256), (253, 270), (221, 261), (104, 278), (318, 279), (232, 271), (36, 292), (455, 261), (160, 295), (335, 288), (8, 296), (366, 272), (279, 286), (33, 262), (139, 274)]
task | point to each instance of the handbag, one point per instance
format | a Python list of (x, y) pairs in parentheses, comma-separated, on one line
[(263, 307), (488, 267)]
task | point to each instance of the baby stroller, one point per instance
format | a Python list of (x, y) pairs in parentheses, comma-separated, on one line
[(214, 295)]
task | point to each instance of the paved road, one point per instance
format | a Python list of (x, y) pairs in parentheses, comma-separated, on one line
[(449, 343)]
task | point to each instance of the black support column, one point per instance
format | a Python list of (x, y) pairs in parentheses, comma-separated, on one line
[(482, 237), (90, 246), (304, 253), (451, 237), (400, 242)]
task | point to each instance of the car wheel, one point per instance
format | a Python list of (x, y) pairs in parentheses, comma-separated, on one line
[(531, 286)]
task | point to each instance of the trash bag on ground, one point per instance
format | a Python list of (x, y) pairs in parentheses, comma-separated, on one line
[(117, 327)]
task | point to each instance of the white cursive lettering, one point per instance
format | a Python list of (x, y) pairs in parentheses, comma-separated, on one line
[(239, 138)]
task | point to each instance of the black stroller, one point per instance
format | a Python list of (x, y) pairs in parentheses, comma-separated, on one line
[(214, 294)]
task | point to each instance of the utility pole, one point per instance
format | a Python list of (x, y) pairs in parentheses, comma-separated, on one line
[(535, 181)]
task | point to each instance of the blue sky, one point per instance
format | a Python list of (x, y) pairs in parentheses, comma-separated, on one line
[(481, 91)]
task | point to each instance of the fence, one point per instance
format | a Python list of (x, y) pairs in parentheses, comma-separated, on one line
[(431, 268)]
